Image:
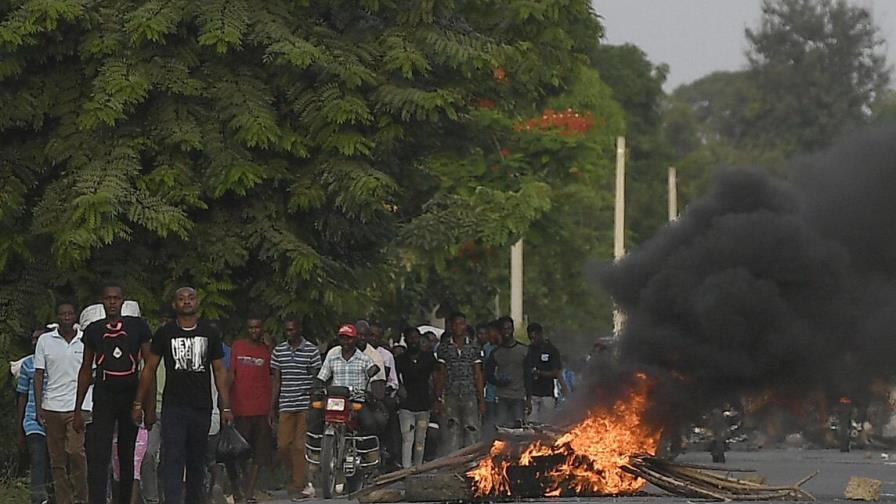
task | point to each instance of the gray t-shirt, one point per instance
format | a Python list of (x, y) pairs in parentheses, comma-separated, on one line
[(509, 365)]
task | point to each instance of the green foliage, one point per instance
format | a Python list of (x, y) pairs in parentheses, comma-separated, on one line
[(543, 184), (14, 490), (816, 70), (884, 109), (309, 157), (817, 67), (637, 85)]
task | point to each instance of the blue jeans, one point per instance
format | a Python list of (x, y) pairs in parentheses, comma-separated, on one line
[(184, 438), (39, 458)]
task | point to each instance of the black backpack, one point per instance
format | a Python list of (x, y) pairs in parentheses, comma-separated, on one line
[(115, 360)]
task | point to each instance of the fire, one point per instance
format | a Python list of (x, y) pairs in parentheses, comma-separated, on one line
[(587, 460), (491, 477)]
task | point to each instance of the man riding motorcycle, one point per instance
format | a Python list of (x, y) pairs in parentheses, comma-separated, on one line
[(357, 376), (348, 368)]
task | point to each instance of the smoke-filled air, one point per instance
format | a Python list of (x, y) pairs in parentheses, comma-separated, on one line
[(767, 286)]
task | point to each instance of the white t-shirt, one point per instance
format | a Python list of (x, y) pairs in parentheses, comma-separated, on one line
[(389, 361), (61, 361)]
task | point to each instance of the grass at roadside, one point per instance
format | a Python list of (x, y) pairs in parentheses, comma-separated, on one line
[(13, 490)]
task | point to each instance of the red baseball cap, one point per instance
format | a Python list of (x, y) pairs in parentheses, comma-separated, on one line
[(348, 330)]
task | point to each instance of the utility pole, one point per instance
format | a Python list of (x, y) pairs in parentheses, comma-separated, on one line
[(516, 283), (673, 194), (619, 220)]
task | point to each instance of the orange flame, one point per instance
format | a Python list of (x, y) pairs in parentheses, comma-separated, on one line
[(590, 455)]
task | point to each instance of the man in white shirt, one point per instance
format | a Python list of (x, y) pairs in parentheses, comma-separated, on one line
[(391, 434), (374, 336), (57, 359)]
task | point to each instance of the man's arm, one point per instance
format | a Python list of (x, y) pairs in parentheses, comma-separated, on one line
[(438, 387), (223, 390), (391, 372), (438, 380), (275, 392), (20, 410), (326, 370), (85, 376), (39, 396), (23, 388), (231, 367), (39, 365), (490, 367), (480, 386), (530, 372), (316, 363), (149, 404), (147, 384)]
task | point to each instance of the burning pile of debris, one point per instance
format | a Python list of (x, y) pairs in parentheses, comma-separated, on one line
[(606, 454)]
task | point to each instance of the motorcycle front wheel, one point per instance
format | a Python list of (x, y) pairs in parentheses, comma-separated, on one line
[(329, 465)]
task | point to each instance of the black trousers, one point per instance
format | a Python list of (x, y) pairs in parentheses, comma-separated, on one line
[(184, 440), (111, 411)]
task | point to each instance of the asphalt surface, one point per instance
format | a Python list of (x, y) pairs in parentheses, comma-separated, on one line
[(779, 466)]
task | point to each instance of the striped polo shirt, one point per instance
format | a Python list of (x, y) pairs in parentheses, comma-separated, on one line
[(297, 369)]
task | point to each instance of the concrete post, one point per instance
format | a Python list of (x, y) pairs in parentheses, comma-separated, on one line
[(673, 194), (516, 283)]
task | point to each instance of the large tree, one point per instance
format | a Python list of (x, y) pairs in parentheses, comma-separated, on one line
[(282, 156), (818, 66)]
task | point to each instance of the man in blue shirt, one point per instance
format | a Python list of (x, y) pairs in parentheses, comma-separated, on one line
[(32, 433), (491, 341)]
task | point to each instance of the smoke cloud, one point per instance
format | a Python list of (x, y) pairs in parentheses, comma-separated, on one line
[(770, 285)]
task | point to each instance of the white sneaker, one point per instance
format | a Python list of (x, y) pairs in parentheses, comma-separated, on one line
[(340, 487), (308, 492)]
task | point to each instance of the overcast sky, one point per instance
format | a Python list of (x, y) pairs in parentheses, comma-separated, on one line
[(697, 37)]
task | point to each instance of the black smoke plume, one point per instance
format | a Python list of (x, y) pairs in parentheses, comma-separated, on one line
[(766, 285)]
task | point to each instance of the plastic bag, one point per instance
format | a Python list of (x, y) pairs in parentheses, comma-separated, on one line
[(231, 445)]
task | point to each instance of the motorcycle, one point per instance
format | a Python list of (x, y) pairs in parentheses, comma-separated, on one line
[(343, 454)]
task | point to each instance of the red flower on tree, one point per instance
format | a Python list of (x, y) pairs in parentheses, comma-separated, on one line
[(568, 122)]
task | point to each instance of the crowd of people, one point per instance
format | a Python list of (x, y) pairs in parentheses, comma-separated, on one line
[(91, 398)]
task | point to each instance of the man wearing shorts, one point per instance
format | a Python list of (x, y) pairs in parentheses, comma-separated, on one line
[(250, 392)]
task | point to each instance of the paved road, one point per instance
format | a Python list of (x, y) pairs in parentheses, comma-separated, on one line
[(780, 466)]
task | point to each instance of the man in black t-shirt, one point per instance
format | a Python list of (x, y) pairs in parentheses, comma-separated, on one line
[(115, 344), (543, 367), (190, 348), (415, 367)]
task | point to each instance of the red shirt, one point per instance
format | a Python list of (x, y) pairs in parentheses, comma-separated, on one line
[(250, 394)]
